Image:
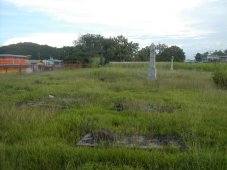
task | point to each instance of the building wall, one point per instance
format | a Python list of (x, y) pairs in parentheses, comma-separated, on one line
[(12, 64)]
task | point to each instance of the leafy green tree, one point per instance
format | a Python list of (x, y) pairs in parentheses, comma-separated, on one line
[(90, 44), (143, 54), (107, 49), (167, 54), (108, 52), (218, 53), (201, 57), (161, 48), (71, 54), (198, 57), (225, 52), (85, 48), (124, 50)]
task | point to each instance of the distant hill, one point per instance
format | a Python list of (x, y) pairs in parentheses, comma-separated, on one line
[(35, 50)]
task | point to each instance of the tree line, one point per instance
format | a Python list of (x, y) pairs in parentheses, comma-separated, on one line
[(91, 47), (118, 48)]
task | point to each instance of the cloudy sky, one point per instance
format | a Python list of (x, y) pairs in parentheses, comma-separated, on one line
[(194, 25)]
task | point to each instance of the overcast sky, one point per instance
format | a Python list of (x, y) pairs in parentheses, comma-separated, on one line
[(194, 25)]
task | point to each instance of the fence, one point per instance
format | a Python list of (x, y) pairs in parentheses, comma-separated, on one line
[(13, 68)]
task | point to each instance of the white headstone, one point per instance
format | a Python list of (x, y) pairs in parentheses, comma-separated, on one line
[(152, 67), (171, 68)]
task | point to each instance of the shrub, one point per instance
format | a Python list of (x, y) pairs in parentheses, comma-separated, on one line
[(220, 77), (95, 61)]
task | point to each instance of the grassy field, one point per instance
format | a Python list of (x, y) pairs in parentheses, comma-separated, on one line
[(38, 132)]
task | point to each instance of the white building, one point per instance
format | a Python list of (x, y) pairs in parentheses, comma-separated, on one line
[(212, 57)]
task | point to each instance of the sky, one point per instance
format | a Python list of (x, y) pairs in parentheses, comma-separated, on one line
[(193, 25)]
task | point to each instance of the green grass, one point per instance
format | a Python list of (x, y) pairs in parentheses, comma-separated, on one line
[(177, 65), (41, 133)]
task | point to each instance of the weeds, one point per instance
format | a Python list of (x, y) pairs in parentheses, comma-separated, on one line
[(41, 133), (220, 77)]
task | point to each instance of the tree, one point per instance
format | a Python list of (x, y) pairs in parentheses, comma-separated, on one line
[(108, 52), (85, 48), (201, 57), (72, 54), (143, 54), (218, 53), (174, 51), (91, 44), (107, 49), (225, 52), (161, 47), (124, 50), (198, 57)]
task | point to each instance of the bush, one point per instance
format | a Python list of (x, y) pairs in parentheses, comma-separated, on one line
[(220, 77), (95, 61)]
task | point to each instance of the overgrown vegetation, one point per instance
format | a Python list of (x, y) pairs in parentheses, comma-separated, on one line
[(38, 132), (220, 77)]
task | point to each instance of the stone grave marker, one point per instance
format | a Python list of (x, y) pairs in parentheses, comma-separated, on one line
[(171, 68), (152, 64)]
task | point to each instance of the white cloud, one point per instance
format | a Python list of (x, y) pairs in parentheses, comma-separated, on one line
[(191, 24), (154, 17), (52, 39)]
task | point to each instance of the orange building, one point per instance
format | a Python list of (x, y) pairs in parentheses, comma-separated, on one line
[(10, 63)]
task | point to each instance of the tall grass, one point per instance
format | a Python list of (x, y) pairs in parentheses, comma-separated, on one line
[(220, 77), (37, 132)]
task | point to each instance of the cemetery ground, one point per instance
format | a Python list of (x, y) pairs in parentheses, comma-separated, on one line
[(44, 115)]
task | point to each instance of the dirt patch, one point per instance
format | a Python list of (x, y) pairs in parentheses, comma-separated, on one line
[(107, 138), (72, 100), (52, 102), (102, 79), (145, 107), (119, 106), (38, 82), (109, 79), (101, 137), (160, 108), (55, 78), (40, 105)]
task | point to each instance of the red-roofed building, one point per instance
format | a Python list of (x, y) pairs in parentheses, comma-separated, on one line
[(10, 63)]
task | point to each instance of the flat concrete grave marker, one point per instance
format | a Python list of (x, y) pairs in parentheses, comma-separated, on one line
[(105, 137)]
